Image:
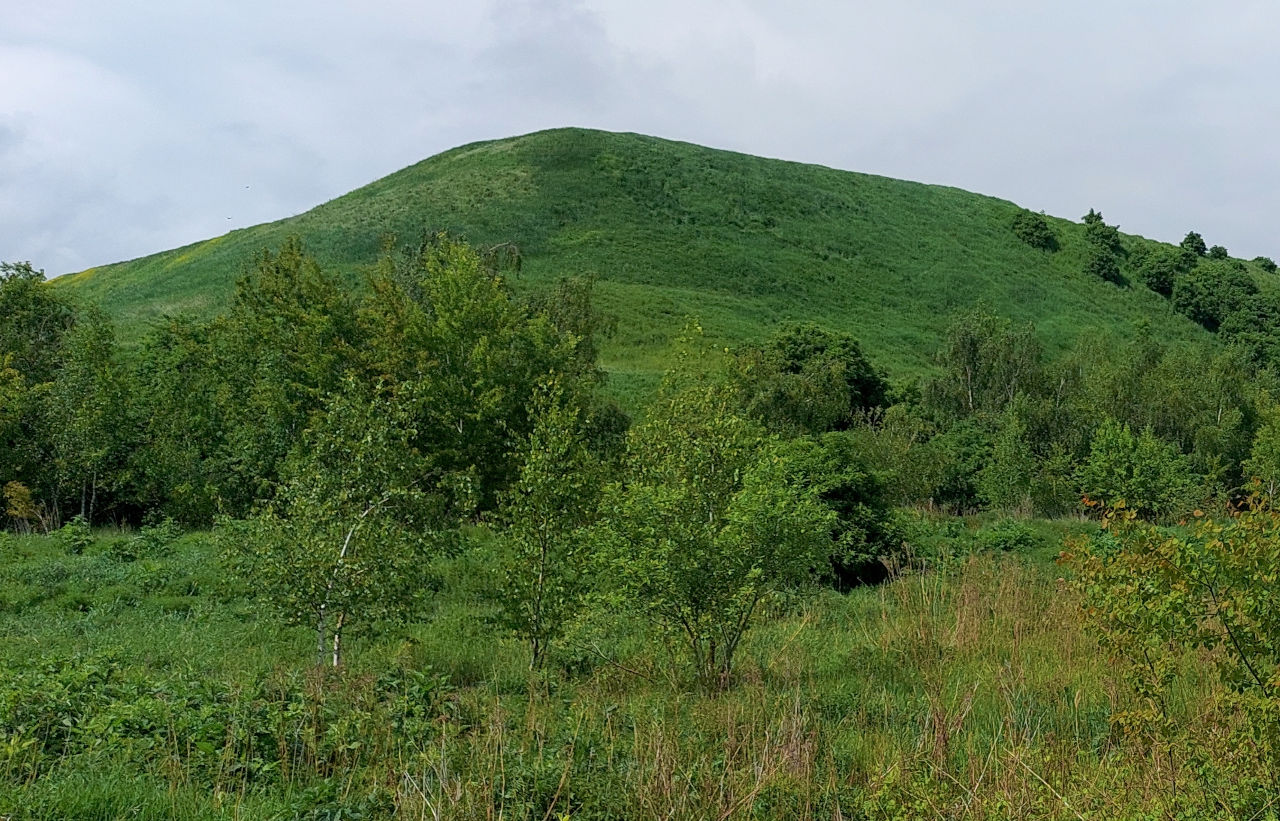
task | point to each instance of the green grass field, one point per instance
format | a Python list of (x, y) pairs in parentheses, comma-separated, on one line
[(674, 230)]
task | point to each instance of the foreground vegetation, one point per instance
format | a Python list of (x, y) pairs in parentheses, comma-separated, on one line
[(143, 682)]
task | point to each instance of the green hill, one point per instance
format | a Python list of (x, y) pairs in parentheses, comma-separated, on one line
[(672, 230)]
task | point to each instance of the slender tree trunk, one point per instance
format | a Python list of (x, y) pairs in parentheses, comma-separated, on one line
[(320, 637), (328, 594), (536, 645), (337, 638)]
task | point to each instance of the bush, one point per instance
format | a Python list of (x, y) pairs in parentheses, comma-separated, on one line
[(808, 380), (1193, 243), (1005, 482), (1160, 269), (1153, 595), (1213, 293), (1218, 252), (153, 541), (1054, 491), (1034, 230), (713, 520), (897, 445), (862, 537), (1265, 263), (1007, 535), (964, 451), (1104, 250), (75, 536), (1144, 473)]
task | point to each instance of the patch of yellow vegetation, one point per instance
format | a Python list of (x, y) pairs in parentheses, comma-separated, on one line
[(194, 252), (77, 278)]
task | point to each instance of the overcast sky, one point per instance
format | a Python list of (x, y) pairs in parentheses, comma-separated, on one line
[(136, 126)]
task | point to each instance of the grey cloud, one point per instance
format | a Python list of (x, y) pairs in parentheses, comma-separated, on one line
[(135, 127), (10, 137)]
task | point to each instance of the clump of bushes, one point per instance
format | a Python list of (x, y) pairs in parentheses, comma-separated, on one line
[(1034, 230), (151, 542)]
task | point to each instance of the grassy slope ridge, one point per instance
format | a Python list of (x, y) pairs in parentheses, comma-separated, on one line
[(673, 230)]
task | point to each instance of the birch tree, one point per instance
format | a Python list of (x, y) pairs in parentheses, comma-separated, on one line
[(347, 543), (86, 416), (709, 524), (546, 514)]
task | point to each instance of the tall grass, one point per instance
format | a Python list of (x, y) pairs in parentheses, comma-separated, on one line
[(971, 691)]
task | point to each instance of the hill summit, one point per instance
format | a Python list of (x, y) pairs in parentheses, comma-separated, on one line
[(671, 230)]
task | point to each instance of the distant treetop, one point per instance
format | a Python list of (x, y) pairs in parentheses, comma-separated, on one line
[(1194, 243)]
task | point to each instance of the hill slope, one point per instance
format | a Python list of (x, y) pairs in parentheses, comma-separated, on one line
[(672, 230)]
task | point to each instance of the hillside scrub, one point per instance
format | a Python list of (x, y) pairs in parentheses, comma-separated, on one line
[(214, 419), (448, 576)]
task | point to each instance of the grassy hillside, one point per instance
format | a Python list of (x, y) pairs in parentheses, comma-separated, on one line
[(673, 229)]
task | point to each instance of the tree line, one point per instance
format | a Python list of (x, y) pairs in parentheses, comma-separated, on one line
[(341, 437), (1203, 283)]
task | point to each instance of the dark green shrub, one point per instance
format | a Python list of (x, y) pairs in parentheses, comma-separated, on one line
[(862, 536), (964, 449), (1218, 252), (1034, 230), (1104, 267), (1193, 243), (1265, 263), (808, 380), (1214, 292), (1103, 251), (1160, 269)]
